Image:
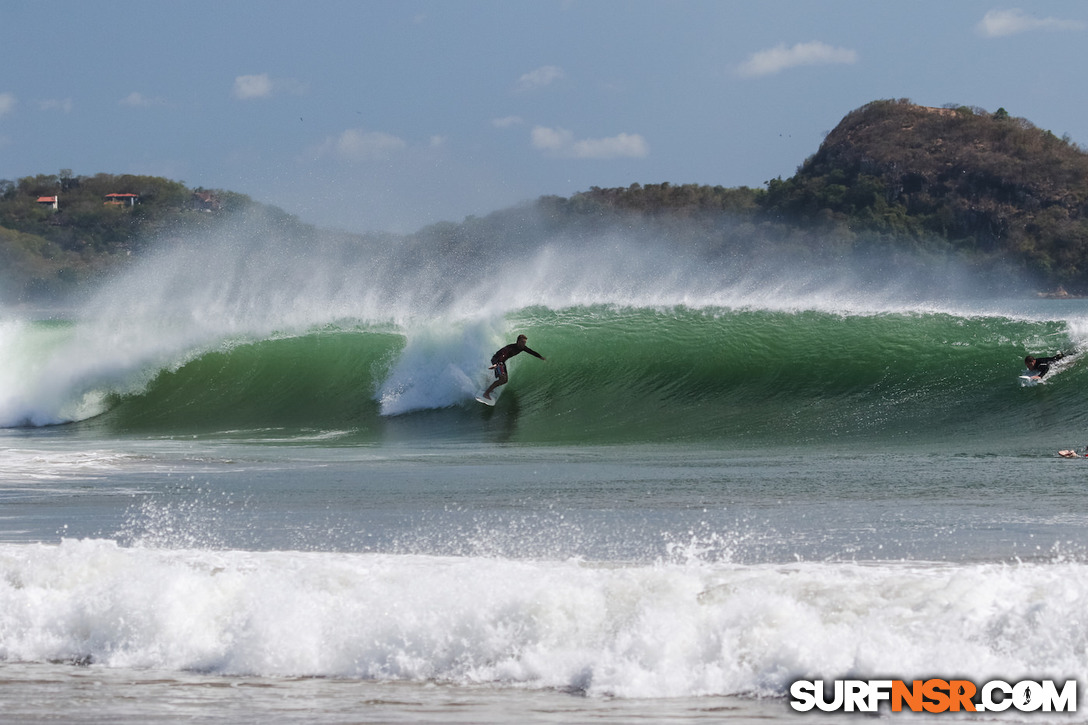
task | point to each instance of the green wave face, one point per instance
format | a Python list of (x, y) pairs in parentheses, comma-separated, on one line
[(319, 380), (743, 378)]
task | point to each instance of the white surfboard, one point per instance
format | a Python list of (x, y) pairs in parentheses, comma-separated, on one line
[(1026, 381), (486, 401)]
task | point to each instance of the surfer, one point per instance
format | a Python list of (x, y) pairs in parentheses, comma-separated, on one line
[(498, 362), (1040, 365)]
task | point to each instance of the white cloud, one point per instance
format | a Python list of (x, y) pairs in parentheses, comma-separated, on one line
[(506, 121), (999, 23), (137, 100), (540, 78), (256, 86), (561, 142), (779, 58), (7, 103), (262, 85), (356, 144), (56, 104), (625, 145), (551, 139)]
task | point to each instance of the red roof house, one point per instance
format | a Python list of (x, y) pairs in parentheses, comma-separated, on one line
[(122, 199)]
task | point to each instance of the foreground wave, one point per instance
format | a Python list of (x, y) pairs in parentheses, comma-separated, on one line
[(674, 628)]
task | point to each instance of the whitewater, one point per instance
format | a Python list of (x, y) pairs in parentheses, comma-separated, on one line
[(247, 481)]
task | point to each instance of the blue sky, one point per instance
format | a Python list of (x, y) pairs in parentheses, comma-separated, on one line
[(393, 115)]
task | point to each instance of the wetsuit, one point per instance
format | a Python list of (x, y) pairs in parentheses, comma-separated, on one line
[(1042, 364), (499, 359)]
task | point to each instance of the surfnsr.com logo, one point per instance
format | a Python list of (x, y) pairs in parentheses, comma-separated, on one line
[(934, 695)]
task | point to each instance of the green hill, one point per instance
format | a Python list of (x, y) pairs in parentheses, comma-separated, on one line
[(900, 184), (986, 182)]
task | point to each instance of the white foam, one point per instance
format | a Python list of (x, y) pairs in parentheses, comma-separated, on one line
[(21, 465), (662, 630), (441, 365)]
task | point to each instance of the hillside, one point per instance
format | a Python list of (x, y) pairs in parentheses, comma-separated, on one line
[(59, 233), (986, 182), (900, 184), (894, 187)]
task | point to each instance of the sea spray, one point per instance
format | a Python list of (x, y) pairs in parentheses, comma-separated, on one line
[(441, 365)]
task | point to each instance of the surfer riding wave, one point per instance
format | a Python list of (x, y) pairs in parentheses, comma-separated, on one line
[(498, 362)]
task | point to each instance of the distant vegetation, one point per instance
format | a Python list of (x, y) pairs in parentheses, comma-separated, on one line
[(893, 182), (97, 224)]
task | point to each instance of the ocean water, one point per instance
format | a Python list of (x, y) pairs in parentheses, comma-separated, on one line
[(247, 482)]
